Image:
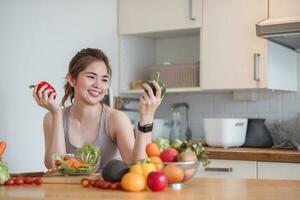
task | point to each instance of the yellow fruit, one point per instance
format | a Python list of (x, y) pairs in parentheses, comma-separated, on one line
[(157, 162), (143, 169), (133, 182)]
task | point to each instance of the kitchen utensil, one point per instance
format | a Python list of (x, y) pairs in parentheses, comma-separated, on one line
[(225, 132), (181, 128), (257, 134)]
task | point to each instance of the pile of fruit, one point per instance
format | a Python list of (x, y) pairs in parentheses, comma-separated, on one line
[(162, 167)]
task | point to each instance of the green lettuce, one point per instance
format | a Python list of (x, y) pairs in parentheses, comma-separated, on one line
[(89, 153), (4, 174)]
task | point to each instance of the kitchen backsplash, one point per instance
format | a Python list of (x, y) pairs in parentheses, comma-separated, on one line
[(270, 105)]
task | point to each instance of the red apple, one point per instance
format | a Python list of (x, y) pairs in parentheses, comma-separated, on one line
[(169, 155), (157, 181)]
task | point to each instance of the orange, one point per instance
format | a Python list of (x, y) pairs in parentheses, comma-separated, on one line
[(152, 149), (174, 173), (157, 162), (133, 182)]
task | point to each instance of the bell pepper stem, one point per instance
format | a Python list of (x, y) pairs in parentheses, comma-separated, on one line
[(32, 86), (157, 76)]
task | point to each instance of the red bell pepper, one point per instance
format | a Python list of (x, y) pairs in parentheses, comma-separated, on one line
[(41, 84)]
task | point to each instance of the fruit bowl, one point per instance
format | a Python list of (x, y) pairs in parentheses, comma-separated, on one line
[(72, 164), (178, 173)]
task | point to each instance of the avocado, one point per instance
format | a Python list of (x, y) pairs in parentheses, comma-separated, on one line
[(114, 170)]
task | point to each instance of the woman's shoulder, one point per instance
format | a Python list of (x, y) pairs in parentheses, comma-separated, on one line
[(114, 114)]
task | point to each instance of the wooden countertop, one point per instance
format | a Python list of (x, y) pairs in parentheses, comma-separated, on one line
[(197, 188), (259, 154)]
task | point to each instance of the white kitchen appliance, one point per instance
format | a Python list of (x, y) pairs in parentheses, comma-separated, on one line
[(225, 132)]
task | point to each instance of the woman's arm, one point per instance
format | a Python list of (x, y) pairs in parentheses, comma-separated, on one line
[(134, 149), (54, 137), (53, 124)]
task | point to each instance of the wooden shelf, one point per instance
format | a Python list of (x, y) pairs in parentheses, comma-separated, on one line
[(169, 90)]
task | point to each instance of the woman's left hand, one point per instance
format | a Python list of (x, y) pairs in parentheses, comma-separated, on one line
[(149, 103)]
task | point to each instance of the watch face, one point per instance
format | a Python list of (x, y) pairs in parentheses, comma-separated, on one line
[(146, 128)]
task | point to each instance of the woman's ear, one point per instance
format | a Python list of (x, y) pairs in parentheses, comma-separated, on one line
[(70, 80)]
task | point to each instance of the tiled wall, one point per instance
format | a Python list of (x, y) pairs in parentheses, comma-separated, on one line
[(270, 105)]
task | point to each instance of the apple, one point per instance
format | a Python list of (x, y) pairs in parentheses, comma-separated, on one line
[(169, 155), (157, 181)]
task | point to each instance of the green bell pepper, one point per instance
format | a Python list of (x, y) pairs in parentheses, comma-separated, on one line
[(160, 83)]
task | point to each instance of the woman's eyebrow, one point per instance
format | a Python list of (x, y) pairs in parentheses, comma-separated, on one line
[(93, 73)]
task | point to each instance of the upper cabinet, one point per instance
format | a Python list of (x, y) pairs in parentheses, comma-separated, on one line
[(140, 16), (233, 57), (286, 8), (159, 36)]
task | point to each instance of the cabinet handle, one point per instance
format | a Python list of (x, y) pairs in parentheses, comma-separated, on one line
[(191, 10), (256, 66), (218, 169)]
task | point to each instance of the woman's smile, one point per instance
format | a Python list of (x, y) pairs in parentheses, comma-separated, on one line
[(94, 93)]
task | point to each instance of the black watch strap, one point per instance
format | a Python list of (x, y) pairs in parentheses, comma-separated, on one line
[(146, 128)]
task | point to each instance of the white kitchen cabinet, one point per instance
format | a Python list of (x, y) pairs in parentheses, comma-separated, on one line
[(141, 16), (282, 9), (276, 170), (139, 52), (233, 57), (229, 169)]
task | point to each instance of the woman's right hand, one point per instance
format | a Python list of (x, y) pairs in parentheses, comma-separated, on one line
[(45, 100)]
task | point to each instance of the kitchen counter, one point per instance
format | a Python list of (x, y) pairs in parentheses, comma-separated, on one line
[(258, 154), (197, 188)]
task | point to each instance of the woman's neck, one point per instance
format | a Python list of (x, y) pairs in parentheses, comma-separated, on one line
[(85, 112)]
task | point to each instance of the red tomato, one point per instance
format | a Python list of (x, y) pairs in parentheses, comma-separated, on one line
[(38, 181), (92, 182), (85, 182), (19, 181), (57, 163), (10, 182)]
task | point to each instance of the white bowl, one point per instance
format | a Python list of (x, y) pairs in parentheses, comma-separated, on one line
[(225, 132)]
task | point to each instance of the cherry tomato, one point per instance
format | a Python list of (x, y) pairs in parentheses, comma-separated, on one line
[(57, 163), (19, 181), (10, 182), (85, 182), (38, 181)]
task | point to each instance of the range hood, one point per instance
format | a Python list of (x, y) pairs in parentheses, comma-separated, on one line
[(284, 31)]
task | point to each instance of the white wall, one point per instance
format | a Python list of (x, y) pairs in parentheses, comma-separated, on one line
[(37, 40)]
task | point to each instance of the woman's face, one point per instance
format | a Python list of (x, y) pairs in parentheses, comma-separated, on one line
[(92, 83)]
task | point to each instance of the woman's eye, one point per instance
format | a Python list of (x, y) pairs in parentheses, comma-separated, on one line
[(105, 80), (90, 77)]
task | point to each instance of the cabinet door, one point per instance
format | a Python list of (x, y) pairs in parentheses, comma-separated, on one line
[(229, 44), (275, 170), (286, 8), (229, 169), (139, 16)]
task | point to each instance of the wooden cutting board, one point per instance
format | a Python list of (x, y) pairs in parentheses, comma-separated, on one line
[(56, 177), (69, 179)]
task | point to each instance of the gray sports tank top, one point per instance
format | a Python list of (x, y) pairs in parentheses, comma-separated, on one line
[(108, 148)]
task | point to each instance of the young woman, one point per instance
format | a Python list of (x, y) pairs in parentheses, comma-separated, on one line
[(88, 120)]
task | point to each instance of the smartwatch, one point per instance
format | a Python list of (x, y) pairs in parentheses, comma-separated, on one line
[(146, 128)]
